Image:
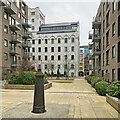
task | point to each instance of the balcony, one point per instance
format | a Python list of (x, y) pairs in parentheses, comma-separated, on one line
[(28, 54), (90, 46), (14, 64), (26, 24), (91, 57), (96, 38), (10, 8), (90, 67), (26, 44), (15, 39), (27, 36), (14, 51), (96, 24), (97, 67), (97, 52)]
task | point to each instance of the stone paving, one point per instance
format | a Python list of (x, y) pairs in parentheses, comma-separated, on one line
[(78, 98)]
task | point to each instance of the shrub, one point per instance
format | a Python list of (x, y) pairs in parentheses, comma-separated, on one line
[(114, 89), (25, 78), (89, 79), (94, 80), (101, 87)]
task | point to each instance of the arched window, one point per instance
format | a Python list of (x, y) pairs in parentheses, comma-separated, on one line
[(72, 66)]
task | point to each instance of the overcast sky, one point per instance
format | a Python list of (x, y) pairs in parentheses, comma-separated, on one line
[(68, 12)]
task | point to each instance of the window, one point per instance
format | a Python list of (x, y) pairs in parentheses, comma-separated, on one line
[(58, 66), (107, 3), (113, 74), (72, 66), (5, 56), (45, 66), (118, 52), (45, 41), (5, 29), (19, 15), (113, 29), (81, 55), (72, 48), (103, 9), (81, 64), (119, 26), (33, 49), (81, 59), (59, 49), (33, 28), (39, 57), (52, 49), (45, 57), (107, 39), (59, 57), (66, 40), (39, 41), (103, 58), (33, 20), (5, 15), (65, 49), (28, 49), (119, 5), (59, 40), (103, 43), (52, 57), (107, 58), (72, 57), (5, 43), (114, 6), (65, 57), (107, 20), (81, 68), (81, 51), (32, 13), (118, 74), (33, 58), (65, 66), (113, 52), (52, 41), (46, 49), (33, 41), (39, 49), (103, 26), (73, 39)]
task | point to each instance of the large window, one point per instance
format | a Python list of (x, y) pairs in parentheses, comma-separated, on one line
[(59, 49), (114, 5), (113, 29), (72, 48), (113, 74), (52, 57), (46, 49), (52, 49), (39, 41), (66, 40), (39, 57), (73, 39), (66, 49), (72, 57), (103, 58), (46, 41), (107, 57), (118, 52), (103, 43), (5, 56), (119, 26), (33, 41), (5, 43), (59, 57), (39, 49), (5, 15), (45, 57), (107, 39), (32, 13), (59, 40), (33, 49), (113, 52), (107, 19), (5, 29), (52, 41)]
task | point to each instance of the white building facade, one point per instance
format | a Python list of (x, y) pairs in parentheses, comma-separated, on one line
[(55, 48)]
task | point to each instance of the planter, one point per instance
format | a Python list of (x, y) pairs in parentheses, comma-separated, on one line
[(114, 102), (25, 87)]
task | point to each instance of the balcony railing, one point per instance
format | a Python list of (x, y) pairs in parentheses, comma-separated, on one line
[(28, 54), (91, 57), (90, 67), (26, 44), (96, 38), (14, 64), (16, 39), (27, 35), (26, 24), (97, 52), (96, 24), (14, 51), (15, 27), (10, 8), (90, 46), (97, 67)]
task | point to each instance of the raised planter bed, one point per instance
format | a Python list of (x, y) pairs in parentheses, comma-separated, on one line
[(114, 102), (25, 87)]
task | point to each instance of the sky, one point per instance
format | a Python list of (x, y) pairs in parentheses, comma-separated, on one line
[(57, 12)]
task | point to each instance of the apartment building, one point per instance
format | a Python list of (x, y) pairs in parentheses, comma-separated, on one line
[(36, 18), (14, 33), (84, 61), (55, 48), (106, 41)]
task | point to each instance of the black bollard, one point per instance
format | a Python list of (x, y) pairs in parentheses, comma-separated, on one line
[(39, 104)]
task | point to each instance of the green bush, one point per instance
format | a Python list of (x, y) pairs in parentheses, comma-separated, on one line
[(94, 80), (101, 87), (25, 78), (89, 79), (114, 89)]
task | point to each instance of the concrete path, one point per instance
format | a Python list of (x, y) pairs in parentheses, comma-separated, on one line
[(82, 99)]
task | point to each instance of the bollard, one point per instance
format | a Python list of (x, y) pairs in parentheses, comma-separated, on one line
[(39, 105)]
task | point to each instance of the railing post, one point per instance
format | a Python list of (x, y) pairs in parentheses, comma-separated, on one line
[(39, 104)]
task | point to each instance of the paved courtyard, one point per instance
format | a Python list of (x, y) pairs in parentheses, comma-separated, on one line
[(64, 100)]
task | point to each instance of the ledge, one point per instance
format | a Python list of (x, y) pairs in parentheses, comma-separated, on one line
[(114, 102), (25, 87)]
